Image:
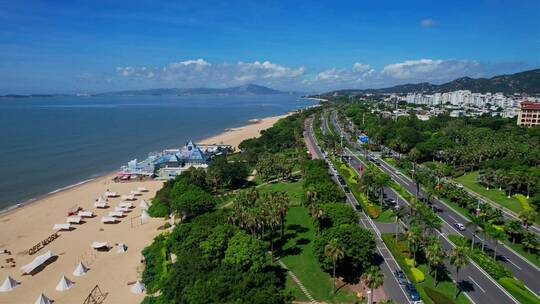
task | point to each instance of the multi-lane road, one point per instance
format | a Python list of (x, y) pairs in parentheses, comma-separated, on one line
[(520, 267)]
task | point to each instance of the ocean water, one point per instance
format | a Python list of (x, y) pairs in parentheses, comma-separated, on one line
[(53, 142)]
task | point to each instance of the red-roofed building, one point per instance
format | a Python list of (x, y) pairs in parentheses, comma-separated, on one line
[(529, 114)]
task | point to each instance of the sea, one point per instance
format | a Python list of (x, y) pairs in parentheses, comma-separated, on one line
[(50, 143)]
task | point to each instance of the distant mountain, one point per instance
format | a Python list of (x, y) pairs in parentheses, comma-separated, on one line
[(523, 82), (248, 89)]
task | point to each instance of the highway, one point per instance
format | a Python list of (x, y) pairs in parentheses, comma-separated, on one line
[(390, 285), (475, 282), (520, 267)]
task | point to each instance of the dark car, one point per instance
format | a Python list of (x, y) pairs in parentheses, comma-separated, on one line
[(400, 276), (412, 292), (346, 189), (389, 202), (378, 163)]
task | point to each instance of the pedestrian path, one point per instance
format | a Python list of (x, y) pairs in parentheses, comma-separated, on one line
[(299, 283)]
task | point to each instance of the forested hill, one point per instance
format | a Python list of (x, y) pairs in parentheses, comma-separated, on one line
[(248, 89), (523, 82)]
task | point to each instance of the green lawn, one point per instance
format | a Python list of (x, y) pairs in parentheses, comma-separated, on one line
[(299, 257), (445, 287), (469, 180), (293, 189)]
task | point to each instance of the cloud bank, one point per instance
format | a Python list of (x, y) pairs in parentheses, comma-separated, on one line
[(201, 73)]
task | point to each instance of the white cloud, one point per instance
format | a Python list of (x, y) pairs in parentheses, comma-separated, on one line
[(427, 22), (199, 72), (409, 71)]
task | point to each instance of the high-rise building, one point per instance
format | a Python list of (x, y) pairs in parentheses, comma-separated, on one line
[(529, 114)]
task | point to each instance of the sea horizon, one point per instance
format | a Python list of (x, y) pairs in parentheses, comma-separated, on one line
[(201, 117)]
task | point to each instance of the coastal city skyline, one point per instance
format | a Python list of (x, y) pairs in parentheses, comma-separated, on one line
[(70, 47)]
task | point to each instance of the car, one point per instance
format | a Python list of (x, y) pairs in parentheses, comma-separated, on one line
[(357, 207), (378, 163), (400, 276), (389, 202), (346, 189), (459, 226), (412, 292)]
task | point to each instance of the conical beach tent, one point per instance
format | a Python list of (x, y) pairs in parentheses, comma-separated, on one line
[(80, 270), (144, 205), (42, 299), (138, 287), (121, 248), (64, 284), (145, 215), (9, 284)]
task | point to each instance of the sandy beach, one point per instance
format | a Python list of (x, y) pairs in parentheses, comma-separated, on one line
[(236, 135), (113, 272)]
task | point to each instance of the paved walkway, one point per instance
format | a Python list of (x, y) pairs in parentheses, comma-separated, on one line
[(299, 283)]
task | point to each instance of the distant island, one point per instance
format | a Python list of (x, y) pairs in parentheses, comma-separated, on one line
[(248, 89), (522, 82)]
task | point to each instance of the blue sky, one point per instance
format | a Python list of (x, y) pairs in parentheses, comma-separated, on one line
[(92, 46)]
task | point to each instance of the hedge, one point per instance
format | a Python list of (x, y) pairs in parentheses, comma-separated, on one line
[(523, 201), (437, 297), (517, 289), (372, 211), (418, 275), (409, 262)]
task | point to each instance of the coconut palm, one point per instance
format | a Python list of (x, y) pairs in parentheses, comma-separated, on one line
[(333, 250), (373, 278), (459, 259), (527, 217), (435, 255), (475, 226), (317, 213)]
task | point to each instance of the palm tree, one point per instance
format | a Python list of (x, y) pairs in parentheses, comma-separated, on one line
[(529, 241), (527, 217), (458, 258), (414, 237), (317, 213), (475, 225), (333, 250), (434, 254), (373, 278), (529, 179)]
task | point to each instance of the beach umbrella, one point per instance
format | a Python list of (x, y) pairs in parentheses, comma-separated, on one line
[(121, 248), (42, 299), (9, 284), (80, 270), (137, 288), (64, 284)]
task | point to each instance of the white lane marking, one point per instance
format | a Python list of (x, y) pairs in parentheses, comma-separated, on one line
[(482, 289), (512, 263), (453, 218)]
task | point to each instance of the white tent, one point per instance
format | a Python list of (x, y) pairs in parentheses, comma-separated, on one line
[(110, 194), (134, 192), (144, 205), (129, 197), (101, 200), (85, 213), (42, 299), (65, 226), (98, 245), (9, 284), (64, 284), (121, 209), (116, 213), (100, 204), (121, 248), (74, 219), (145, 215), (142, 189), (137, 288), (80, 270), (125, 204), (108, 219), (38, 261)]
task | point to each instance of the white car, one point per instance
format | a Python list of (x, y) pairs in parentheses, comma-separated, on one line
[(459, 226)]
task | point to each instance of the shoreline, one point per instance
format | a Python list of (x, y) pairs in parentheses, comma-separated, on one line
[(27, 223), (225, 133)]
